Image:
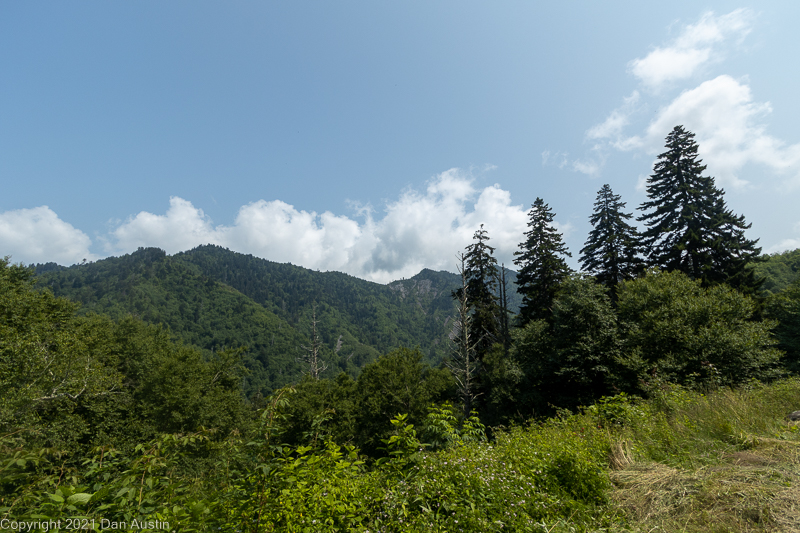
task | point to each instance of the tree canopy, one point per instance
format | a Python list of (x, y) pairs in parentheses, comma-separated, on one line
[(541, 264), (611, 252), (689, 227)]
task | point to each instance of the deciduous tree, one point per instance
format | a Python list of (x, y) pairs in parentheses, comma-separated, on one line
[(682, 332)]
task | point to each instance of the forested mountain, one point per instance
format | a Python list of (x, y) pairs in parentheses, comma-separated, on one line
[(213, 298), (779, 270), (160, 290)]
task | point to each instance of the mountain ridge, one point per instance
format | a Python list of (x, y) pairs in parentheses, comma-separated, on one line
[(213, 298)]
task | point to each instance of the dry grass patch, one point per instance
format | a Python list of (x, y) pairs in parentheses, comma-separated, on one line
[(757, 489)]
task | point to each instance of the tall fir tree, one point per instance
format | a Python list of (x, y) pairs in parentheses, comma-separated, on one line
[(481, 275), (689, 227), (541, 264), (611, 253)]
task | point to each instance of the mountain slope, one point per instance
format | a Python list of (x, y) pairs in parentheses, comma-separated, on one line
[(198, 310), (214, 298)]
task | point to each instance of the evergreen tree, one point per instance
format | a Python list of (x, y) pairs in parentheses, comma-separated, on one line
[(573, 360), (611, 252), (689, 227), (541, 264), (480, 272)]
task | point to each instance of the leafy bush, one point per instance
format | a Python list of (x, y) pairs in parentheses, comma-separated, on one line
[(679, 332), (442, 429)]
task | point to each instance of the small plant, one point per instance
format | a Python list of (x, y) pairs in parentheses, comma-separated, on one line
[(619, 410), (442, 429)]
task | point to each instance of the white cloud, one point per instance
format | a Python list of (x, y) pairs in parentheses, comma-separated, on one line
[(616, 121), (279, 232), (696, 45), (641, 183), (38, 236), (725, 119), (786, 244), (590, 167), (558, 159), (182, 227), (419, 230), (783, 246)]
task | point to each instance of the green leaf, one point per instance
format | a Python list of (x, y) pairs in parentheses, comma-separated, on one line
[(81, 497)]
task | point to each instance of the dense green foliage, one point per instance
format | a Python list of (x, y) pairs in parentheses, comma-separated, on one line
[(213, 298), (678, 331), (70, 380), (573, 359), (209, 315), (583, 472), (785, 308), (778, 270), (215, 391), (665, 328)]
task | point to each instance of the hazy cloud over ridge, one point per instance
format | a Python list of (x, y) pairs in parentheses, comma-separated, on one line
[(421, 229)]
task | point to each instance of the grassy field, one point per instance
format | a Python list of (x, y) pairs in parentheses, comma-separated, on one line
[(728, 461)]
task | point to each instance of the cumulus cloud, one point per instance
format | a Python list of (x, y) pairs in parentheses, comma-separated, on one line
[(181, 228), (37, 235), (727, 120), (697, 45), (421, 229), (724, 117)]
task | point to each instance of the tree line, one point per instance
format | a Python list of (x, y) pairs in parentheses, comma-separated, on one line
[(678, 301)]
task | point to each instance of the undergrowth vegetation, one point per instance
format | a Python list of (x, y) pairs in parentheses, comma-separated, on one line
[(728, 460)]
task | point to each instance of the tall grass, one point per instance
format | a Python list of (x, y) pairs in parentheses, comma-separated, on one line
[(728, 460)]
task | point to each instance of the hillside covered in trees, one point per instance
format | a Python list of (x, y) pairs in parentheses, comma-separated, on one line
[(212, 390), (213, 298)]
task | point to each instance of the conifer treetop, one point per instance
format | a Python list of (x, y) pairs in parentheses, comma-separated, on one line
[(611, 252), (541, 264), (689, 226)]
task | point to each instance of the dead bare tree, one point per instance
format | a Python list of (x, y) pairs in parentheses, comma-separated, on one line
[(316, 365), (463, 362)]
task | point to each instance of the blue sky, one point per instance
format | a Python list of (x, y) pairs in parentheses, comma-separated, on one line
[(373, 137)]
